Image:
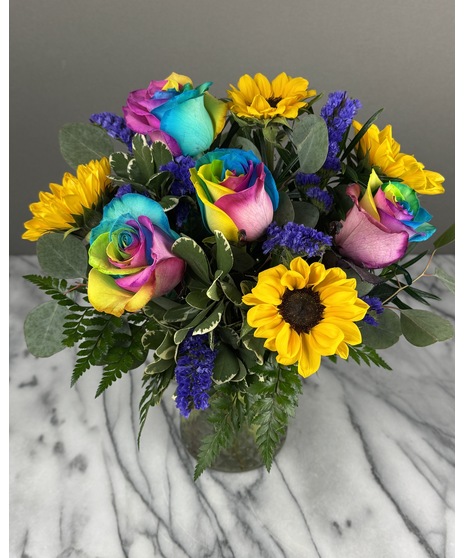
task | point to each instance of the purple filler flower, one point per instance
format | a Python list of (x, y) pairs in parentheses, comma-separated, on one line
[(338, 113), (322, 199), (193, 374), (297, 238), (376, 305), (179, 168), (115, 126)]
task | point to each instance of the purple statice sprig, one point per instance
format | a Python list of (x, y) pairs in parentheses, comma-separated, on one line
[(338, 113), (321, 199), (115, 126), (299, 239), (193, 373), (376, 306), (180, 169)]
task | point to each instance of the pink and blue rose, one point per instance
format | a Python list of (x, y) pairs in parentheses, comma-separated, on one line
[(378, 228), (130, 255), (185, 118), (236, 193)]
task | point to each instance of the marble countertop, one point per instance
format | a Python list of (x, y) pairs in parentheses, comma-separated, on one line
[(367, 470)]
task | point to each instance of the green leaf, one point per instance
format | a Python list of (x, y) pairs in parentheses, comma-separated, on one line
[(62, 256), (222, 414), (226, 365), (168, 202), (194, 256), (311, 142), (243, 143), (224, 255), (385, 334), (305, 214), (157, 366), (445, 278), (211, 321), (119, 164), (43, 329), (276, 400), (285, 212), (167, 348), (143, 156), (446, 237), (161, 154), (83, 142), (231, 292), (422, 328), (198, 299), (158, 180)]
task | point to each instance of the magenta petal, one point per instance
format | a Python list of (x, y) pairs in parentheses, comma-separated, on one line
[(133, 283), (168, 274), (251, 209), (239, 183), (394, 209), (143, 123), (393, 225), (369, 243)]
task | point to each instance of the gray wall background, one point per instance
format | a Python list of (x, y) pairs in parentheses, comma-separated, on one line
[(71, 58)]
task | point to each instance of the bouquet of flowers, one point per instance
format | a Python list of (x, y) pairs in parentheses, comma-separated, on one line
[(231, 245)]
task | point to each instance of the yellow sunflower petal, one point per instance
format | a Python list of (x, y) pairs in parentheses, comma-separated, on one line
[(261, 314), (288, 342), (325, 337), (309, 361)]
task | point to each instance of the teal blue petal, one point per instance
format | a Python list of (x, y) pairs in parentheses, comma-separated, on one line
[(189, 124), (131, 206), (422, 232)]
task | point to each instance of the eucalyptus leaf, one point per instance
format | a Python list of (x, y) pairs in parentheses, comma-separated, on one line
[(422, 327), (43, 329), (285, 211), (446, 237), (62, 256), (305, 214), (81, 143), (445, 278), (243, 143), (385, 334), (311, 142)]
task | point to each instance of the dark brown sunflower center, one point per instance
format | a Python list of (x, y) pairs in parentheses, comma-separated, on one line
[(273, 101), (301, 309)]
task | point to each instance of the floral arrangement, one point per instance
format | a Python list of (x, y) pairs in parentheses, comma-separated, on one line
[(231, 245)]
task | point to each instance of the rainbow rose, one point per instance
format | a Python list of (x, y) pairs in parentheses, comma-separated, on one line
[(130, 255), (185, 118), (236, 192), (378, 228)]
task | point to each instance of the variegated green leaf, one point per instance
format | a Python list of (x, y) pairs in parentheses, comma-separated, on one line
[(187, 249), (224, 255)]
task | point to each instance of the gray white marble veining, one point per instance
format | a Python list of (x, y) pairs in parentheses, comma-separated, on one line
[(367, 470)]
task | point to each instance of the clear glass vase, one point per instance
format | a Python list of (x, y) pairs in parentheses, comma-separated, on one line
[(242, 455)]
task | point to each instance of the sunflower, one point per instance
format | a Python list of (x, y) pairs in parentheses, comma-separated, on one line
[(258, 98), (305, 312), (61, 209), (383, 151)]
